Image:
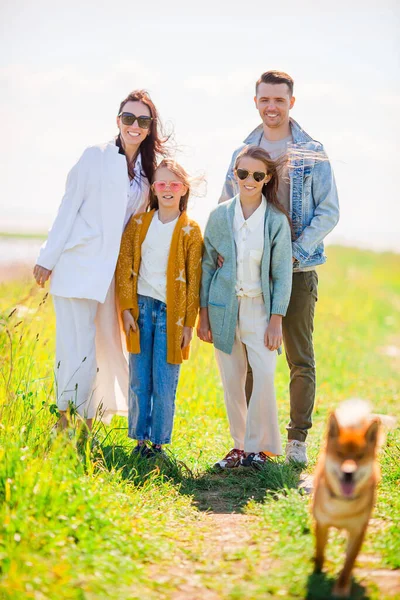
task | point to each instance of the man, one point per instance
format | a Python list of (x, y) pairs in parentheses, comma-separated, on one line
[(308, 192)]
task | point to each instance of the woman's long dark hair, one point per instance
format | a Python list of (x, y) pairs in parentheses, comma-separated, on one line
[(270, 189), (153, 145)]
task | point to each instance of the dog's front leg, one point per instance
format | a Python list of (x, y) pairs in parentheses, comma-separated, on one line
[(321, 537), (342, 587)]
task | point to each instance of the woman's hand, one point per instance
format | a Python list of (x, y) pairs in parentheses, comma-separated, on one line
[(220, 261), (187, 335), (273, 334), (203, 328), (128, 321), (41, 275)]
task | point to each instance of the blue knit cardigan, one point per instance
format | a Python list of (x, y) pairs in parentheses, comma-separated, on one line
[(218, 284)]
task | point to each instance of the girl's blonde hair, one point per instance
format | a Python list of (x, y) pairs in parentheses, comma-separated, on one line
[(181, 174)]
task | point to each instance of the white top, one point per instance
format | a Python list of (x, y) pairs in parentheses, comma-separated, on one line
[(155, 252), (137, 188), (249, 240)]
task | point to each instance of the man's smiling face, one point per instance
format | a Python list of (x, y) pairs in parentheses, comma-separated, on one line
[(273, 102)]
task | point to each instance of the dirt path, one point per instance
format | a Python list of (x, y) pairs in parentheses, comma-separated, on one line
[(221, 539), (220, 553)]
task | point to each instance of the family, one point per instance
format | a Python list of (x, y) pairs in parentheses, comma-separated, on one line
[(123, 255)]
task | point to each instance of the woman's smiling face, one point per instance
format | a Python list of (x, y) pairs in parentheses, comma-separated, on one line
[(133, 135)]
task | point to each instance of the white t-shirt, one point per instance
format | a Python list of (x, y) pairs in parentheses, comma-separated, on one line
[(152, 279), (249, 240)]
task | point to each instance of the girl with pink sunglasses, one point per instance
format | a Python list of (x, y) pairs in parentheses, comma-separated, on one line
[(158, 285)]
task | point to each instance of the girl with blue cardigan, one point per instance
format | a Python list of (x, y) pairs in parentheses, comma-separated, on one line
[(244, 300)]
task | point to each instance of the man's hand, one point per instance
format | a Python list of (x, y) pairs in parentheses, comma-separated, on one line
[(187, 335), (203, 328), (220, 261), (128, 321), (41, 275), (273, 334)]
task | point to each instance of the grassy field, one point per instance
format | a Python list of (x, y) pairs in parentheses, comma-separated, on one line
[(22, 236), (86, 523)]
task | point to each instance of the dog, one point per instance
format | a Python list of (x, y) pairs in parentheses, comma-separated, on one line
[(345, 483)]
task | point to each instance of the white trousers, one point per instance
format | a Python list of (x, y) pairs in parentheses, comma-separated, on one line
[(254, 428), (91, 369)]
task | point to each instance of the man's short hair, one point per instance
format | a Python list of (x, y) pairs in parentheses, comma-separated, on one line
[(276, 77)]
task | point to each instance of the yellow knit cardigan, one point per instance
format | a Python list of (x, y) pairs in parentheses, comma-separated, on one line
[(183, 279)]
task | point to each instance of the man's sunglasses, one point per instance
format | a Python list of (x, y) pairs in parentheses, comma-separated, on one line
[(129, 119), (161, 186), (257, 175)]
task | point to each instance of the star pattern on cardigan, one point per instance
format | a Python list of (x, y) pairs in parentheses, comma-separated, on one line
[(187, 229), (183, 280), (181, 277)]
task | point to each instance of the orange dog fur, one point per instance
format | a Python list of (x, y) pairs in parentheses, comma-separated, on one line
[(345, 483)]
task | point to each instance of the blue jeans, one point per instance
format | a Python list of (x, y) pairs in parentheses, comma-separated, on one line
[(152, 380)]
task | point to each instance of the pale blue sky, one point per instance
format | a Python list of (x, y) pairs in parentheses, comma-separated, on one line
[(64, 67)]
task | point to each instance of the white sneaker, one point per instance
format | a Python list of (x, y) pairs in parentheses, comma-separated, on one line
[(296, 452)]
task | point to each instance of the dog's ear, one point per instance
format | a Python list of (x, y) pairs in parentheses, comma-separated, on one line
[(333, 426), (371, 435)]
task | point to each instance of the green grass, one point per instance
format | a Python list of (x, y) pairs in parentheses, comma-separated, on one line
[(88, 524), (22, 236)]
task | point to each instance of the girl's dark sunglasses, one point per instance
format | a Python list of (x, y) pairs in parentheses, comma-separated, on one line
[(129, 119), (257, 175)]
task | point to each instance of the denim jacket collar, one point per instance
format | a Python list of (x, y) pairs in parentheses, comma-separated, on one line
[(298, 134)]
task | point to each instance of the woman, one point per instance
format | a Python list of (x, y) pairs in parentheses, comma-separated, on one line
[(243, 303), (109, 184)]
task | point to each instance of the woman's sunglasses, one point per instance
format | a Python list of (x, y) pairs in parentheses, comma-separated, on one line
[(257, 175), (161, 186), (129, 119)]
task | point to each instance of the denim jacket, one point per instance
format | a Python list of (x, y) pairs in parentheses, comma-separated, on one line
[(314, 203)]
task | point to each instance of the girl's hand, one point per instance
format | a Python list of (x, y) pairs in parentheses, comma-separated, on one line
[(273, 334), (187, 335), (128, 321), (203, 329), (41, 275), (220, 261)]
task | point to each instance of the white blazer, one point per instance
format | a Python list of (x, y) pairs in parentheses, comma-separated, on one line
[(83, 244)]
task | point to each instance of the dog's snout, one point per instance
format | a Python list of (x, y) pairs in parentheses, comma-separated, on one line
[(349, 467), (347, 477)]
